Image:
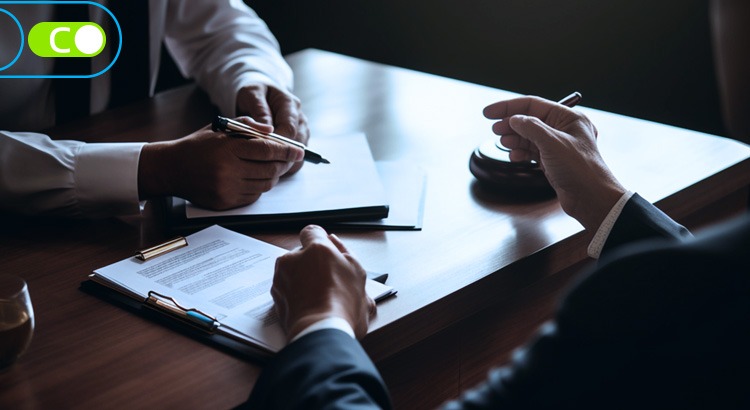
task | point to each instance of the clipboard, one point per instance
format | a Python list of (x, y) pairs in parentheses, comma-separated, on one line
[(168, 311), (215, 340), (178, 223), (347, 189)]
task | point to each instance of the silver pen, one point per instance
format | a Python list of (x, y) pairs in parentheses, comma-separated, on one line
[(229, 125)]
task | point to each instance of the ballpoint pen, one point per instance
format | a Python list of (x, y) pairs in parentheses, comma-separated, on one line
[(231, 126), (191, 315), (572, 100)]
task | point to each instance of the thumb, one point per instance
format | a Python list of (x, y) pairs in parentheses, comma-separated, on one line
[(312, 234), (533, 129), (372, 308)]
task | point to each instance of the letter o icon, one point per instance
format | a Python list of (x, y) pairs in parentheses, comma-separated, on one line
[(89, 39)]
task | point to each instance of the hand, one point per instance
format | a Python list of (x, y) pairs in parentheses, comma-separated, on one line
[(563, 142), (320, 280), (269, 105), (214, 170)]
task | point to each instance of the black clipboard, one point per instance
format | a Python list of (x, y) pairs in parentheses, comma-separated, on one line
[(178, 223), (238, 349), (226, 344)]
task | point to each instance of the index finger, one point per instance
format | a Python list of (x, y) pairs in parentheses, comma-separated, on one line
[(531, 106), (254, 124), (257, 149), (255, 105), (285, 112)]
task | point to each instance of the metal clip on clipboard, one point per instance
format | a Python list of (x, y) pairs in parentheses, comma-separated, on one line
[(192, 316), (161, 248)]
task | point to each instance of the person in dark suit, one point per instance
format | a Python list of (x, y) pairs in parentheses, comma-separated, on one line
[(662, 321)]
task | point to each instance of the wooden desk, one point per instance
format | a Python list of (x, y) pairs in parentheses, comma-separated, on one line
[(480, 259)]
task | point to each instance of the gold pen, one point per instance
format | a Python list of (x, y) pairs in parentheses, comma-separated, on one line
[(170, 305), (228, 125)]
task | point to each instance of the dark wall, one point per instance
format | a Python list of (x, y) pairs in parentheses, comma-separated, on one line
[(644, 58)]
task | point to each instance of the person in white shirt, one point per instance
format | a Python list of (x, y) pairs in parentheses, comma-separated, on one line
[(231, 54)]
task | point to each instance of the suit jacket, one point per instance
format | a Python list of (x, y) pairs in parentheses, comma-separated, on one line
[(661, 322)]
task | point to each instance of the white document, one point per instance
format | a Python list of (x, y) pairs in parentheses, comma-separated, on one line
[(350, 181), (222, 273), (405, 188)]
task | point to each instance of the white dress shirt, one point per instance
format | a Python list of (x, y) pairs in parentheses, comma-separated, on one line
[(222, 44)]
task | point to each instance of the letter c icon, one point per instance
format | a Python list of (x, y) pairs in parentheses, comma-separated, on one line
[(52, 42)]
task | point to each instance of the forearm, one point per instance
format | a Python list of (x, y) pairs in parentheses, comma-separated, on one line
[(641, 220), (67, 178), (236, 48), (153, 169), (325, 369)]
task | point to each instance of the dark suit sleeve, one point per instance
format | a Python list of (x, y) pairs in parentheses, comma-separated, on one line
[(582, 360), (640, 220), (658, 324), (326, 369)]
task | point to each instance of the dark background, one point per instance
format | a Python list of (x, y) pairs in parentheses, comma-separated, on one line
[(649, 59)]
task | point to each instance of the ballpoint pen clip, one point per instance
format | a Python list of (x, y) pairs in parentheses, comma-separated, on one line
[(193, 316)]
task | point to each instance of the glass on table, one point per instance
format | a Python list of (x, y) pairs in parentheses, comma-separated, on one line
[(16, 319)]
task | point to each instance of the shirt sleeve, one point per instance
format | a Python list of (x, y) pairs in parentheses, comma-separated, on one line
[(600, 238), (39, 175), (333, 322), (225, 46)]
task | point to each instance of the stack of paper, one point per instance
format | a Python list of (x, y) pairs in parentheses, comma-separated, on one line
[(352, 187)]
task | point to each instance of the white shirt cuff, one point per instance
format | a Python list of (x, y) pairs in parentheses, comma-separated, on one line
[(333, 322), (106, 176), (600, 238)]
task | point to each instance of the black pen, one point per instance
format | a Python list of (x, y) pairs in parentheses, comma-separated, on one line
[(228, 125)]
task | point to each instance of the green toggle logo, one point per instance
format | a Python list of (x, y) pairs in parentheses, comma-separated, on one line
[(66, 39)]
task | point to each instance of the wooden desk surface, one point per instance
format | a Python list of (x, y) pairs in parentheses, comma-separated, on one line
[(475, 249)]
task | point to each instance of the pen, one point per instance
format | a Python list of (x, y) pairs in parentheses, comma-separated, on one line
[(189, 315), (200, 318), (572, 100), (228, 125)]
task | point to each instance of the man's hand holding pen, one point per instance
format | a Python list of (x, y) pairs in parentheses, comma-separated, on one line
[(249, 130), (213, 170), (563, 142), (271, 106)]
